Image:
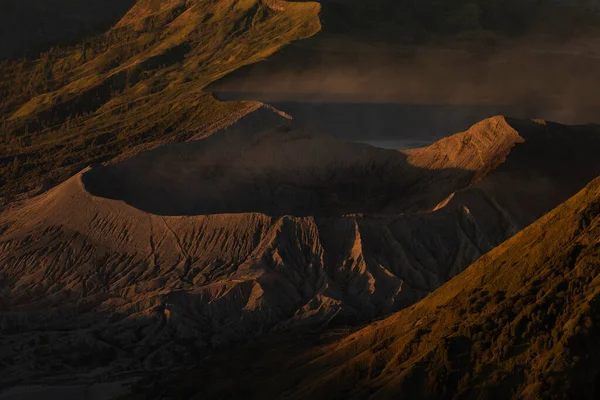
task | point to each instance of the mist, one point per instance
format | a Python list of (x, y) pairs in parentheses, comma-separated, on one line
[(369, 92)]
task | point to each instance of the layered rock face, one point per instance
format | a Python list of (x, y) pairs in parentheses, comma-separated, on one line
[(176, 252)]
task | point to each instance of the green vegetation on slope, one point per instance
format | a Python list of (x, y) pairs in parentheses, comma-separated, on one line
[(522, 322), (142, 83), (139, 85)]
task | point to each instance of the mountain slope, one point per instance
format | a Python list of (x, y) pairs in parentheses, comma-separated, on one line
[(141, 83), (138, 85), (153, 272), (522, 322), (244, 226)]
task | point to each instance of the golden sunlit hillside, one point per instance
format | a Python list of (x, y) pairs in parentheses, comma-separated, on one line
[(256, 199)]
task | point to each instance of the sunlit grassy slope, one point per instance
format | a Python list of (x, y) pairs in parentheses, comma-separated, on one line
[(140, 84), (521, 323)]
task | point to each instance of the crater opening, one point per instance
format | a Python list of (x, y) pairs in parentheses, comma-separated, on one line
[(261, 164)]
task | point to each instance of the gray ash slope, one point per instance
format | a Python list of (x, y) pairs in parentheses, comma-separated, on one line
[(177, 252)]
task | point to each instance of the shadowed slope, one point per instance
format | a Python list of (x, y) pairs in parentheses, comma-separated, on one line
[(136, 86), (141, 84), (521, 323), (163, 290), (263, 164)]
